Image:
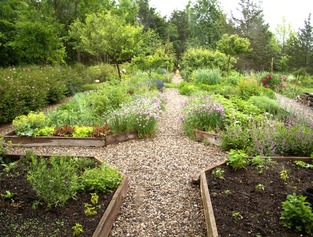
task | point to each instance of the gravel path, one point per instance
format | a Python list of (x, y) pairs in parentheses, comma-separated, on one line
[(161, 200), (302, 112)]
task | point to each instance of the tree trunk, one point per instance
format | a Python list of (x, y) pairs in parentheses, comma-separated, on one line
[(118, 70)]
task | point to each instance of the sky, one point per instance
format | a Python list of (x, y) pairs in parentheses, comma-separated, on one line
[(295, 11)]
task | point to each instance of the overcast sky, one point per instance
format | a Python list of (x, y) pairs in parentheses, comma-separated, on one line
[(295, 11)]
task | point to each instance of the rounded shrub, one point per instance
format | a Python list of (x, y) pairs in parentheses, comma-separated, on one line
[(264, 103)]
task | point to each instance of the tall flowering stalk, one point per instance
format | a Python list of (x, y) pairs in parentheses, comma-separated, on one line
[(204, 114), (141, 115)]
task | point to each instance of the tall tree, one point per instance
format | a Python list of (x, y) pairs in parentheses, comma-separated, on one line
[(207, 23), (108, 34), (283, 33), (233, 46), (250, 24), (300, 50), (179, 31), (151, 20), (9, 12)]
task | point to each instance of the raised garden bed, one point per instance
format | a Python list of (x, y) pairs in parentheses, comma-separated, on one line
[(20, 217), (248, 202), (70, 141)]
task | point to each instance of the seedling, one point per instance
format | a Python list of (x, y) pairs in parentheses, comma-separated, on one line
[(227, 191), (8, 195), (260, 187), (94, 198), (90, 210), (218, 173), (77, 229), (284, 174), (237, 215)]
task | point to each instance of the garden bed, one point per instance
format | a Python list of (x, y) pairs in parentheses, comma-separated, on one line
[(249, 203), (70, 141), (21, 217)]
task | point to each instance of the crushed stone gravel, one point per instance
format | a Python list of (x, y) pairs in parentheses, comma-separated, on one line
[(161, 200)]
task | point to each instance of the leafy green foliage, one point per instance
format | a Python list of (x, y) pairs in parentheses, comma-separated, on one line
[(26, 125), (274, 82), (54, 182), (233, 46), (106, 33), (103, 179), (206, 76), (186, 88), (297, 214), (196, 58), (264, 103), (83, 131), (237, 159)]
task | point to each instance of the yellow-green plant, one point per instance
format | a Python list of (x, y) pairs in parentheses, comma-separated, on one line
[(26, 125), (77, 229)]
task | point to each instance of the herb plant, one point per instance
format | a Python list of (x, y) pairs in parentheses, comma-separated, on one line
[(237, 159), (297, 214), (54, 182)]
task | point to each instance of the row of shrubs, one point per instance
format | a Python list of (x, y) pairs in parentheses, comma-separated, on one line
[(26, 89)]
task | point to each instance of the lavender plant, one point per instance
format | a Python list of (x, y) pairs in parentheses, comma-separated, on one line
[(204, 114)]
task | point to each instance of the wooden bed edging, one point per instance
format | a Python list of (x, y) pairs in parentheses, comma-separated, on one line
[(70, 141), (207, 208), (205, 193), (211, 138), (105, 225)]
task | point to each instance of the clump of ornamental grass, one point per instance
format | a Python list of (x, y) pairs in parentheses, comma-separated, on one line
[(141, 115), (204, 114)]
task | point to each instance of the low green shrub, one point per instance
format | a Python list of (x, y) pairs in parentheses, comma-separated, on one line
[(249, 87), (235, 136), (186, 88), (264, 103), (82, 131), (297, 214), (103, 179), (238, 159), (55, 182), (273, 81)]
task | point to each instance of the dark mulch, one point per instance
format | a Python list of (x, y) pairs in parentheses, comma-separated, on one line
[(19, 218), (259, 210)]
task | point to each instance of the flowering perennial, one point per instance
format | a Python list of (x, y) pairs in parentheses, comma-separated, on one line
[(141, 115), (274, 82), (204, 114)]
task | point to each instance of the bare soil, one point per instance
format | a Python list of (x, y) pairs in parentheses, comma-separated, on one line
[(19, 218), (241, 209)]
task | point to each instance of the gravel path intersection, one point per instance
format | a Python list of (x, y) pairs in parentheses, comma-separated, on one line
[(161, 200)]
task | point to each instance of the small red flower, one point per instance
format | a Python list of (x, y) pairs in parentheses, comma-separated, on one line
[(267, 86), (284, 78)]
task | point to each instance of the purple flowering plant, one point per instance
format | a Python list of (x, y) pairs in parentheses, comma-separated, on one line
[(141, 115), (203, 113)]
